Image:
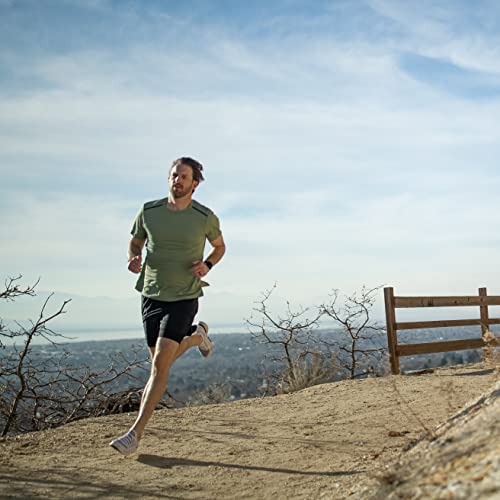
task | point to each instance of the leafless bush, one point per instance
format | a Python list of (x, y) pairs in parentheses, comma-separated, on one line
[(304, 355), (43, 392), (353, 316), (312, 369), (294, 346), (212, 394)]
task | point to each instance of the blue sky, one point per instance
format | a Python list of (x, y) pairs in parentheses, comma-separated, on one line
[(345, 143)]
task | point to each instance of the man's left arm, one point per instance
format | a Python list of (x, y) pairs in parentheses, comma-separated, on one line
[(200, 268)]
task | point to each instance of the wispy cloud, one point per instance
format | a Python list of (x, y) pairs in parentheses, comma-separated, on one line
[(337, 153), (463, 33), (451, 78)]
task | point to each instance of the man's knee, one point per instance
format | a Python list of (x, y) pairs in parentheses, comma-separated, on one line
[(164, 355)]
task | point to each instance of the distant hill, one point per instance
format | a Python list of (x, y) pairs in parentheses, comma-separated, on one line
[(349, 439), (94, 313)]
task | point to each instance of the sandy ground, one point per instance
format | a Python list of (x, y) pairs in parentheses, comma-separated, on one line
[(322, 442)]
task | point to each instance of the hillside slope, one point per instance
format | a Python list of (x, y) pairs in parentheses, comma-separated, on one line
[(460, 461), (328, 441)]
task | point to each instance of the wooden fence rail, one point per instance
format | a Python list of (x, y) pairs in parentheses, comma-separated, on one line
[(482, 300)]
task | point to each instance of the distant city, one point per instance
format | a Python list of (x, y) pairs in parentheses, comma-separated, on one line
[(239, 364)]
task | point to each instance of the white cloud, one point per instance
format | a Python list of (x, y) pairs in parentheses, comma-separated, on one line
[(328, 165), (453, 31)]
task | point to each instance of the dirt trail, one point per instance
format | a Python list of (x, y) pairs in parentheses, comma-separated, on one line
[(317, 443)]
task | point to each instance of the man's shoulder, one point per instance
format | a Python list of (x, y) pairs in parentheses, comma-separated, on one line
[(153, 204), (201, 209)]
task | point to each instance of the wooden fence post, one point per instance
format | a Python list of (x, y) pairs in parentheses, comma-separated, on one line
[(485, 320), (483, 308), (392, 337)]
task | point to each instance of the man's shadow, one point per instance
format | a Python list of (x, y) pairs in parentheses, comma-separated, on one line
[(169, 462)]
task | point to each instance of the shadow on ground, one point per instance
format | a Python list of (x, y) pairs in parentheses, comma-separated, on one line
[(65, 483), (169, 462)]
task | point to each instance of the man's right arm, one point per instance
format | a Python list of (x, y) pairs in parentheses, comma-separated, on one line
[(134, 255)]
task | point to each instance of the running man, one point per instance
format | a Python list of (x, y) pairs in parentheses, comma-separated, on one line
[(174, 230)]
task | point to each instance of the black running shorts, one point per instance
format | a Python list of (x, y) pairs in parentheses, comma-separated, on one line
[(170, 320)]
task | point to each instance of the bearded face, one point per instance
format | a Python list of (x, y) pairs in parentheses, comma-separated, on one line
[(181, 182)]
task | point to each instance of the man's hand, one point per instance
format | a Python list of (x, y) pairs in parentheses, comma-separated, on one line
[(135, 264), (199, 269)]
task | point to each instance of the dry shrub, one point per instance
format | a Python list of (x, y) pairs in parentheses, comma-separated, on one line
[(41, 393), (212, 394), (311, 369)]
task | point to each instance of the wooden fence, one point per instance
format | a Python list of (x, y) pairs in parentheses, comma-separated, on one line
[(482, 300)]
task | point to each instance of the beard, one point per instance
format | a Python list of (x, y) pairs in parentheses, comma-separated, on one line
[(180, 193)]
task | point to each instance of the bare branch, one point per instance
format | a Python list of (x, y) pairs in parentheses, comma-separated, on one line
[(353, 317), (290, 336), (12, 288), (40, 393)]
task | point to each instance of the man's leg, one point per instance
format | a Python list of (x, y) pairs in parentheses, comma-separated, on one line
[(152, 354), (164, 357), (172, 319), (193, 340), (196, 339)]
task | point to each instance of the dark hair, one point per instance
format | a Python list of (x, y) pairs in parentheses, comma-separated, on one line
[(196, 167)]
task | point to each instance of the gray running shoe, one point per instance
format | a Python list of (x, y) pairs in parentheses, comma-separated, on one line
[(206, 347), (126, 444)]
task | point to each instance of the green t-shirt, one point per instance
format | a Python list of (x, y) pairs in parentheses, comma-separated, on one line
[(175, 239)]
